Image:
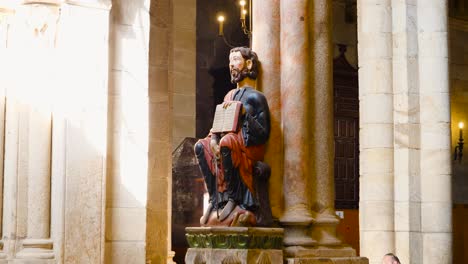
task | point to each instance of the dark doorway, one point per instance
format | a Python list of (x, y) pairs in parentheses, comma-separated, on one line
[(346, 106)]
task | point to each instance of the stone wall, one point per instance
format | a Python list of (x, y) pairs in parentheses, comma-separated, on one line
[(184, 70)]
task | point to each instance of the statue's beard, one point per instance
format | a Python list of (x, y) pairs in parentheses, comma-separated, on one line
[(237, 76)]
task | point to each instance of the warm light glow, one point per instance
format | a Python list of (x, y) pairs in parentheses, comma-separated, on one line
[(206, 201), (244, 12), (242, 2), (221, 21), (461, 125)]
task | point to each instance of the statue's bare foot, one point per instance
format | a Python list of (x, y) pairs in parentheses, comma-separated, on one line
[(206, 215), (228, 208)]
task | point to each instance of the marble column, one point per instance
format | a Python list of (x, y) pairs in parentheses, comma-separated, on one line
[(295, 88), (322, 126), (376, 215), (266, 43), (436, 196), (407, 179)]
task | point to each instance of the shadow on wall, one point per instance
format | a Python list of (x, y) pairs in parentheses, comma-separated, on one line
[(188, 189)]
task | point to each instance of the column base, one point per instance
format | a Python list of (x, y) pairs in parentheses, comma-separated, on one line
[(296, 224), (36, 249), (298, 235), (297, 216), (170, 257), (324, 230)]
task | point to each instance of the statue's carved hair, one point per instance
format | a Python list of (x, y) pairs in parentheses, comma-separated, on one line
[(249, 54)]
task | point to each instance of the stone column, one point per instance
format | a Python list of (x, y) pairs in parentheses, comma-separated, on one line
[(295, 87), (80, 131), (128, 144), (29, 105), (322, 132), (376, 214), (34, 169), (266, 43), (436, 196), (5, 13), (160, 88), (406, 141)]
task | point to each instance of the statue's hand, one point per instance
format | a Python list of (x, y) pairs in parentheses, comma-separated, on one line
[(227, 104), (215, 148)]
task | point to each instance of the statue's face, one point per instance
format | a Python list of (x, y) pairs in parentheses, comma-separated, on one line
[(236, 61), (237, 67)]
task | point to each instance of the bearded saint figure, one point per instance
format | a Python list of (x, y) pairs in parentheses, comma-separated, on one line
[(230, 161)]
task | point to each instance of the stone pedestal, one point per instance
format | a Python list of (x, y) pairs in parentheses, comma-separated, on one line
[(234, 245)]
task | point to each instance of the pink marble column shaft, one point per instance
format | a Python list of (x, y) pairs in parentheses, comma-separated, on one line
[(322, 134), (295, 89), (266, 43)]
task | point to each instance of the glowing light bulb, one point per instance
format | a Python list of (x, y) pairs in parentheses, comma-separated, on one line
[(461, 125), (221, 21), (242, 2)]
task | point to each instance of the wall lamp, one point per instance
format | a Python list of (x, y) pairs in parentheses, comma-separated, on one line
[(459, 148), (246, 28)]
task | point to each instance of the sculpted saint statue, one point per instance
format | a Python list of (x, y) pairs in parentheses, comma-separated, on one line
[(231, 162)]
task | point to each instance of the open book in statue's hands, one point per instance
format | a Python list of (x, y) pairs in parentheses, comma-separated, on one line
[(226, 117)]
